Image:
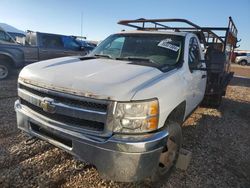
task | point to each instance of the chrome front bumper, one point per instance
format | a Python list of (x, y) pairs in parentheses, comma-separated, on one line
[(120, 157)]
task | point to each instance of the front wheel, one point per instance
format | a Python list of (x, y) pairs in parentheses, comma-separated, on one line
[(170, 152), (4, 70), (243, 62)]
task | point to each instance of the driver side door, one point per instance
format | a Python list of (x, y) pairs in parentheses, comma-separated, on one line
[(196, 79)]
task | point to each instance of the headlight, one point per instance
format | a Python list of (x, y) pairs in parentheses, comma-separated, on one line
[(135, 117), (237, 59)]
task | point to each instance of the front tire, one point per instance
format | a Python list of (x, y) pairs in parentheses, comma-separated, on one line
[(243, 62), (5, 70), (170, 152)]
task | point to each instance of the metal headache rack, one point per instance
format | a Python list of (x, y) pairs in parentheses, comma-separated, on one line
[(207, 35)]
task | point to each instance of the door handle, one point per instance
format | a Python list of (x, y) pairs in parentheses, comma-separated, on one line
[(203, 76)]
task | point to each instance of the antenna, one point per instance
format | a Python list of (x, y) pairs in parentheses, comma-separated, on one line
[(81, 22)]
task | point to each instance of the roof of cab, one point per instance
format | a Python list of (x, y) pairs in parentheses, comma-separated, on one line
[(154, 32)]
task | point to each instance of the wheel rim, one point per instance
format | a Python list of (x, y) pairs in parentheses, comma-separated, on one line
[(168, 156), (3, 71)]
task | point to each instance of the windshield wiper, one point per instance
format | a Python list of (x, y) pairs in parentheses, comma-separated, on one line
[(103, 55), (136, 59)]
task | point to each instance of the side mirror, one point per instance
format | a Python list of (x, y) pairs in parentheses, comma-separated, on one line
[(199, 66), (82, 48)]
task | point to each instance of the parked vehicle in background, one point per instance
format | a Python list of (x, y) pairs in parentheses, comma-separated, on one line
[(6, 57), (16, 34), (38, 46), (87, 45), (242, 58), (121, 107)]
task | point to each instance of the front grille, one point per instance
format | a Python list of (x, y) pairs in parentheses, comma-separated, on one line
[(71, 102), (74, 123)]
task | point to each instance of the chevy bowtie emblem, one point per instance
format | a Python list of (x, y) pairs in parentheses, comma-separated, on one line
[(47, 105)]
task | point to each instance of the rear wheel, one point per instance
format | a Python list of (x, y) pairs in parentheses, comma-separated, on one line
[(170, 152), (4, 70)]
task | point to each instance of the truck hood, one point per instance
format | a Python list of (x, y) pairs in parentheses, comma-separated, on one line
[(96, 78)]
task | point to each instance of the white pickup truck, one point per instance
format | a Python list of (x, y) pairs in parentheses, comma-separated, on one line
[(122, 106)]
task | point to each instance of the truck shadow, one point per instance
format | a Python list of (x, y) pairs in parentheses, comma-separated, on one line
[(240, 81)]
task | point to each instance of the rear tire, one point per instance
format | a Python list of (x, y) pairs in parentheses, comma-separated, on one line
[(170, 152), (5, 70)]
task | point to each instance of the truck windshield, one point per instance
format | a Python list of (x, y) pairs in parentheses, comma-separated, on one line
[(159, 50)]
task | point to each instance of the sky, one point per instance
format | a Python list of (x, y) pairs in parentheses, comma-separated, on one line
[(100, 17)]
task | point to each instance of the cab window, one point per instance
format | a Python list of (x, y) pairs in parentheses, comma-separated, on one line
[(52, 41), (70, 43), (31, 39), (194, 54), (4, 37)]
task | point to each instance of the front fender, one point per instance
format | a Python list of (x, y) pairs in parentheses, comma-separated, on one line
[(169, 88), (15, 54)]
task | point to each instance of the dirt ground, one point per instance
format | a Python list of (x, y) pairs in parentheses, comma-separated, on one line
[(219, 141), (241, 70)]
